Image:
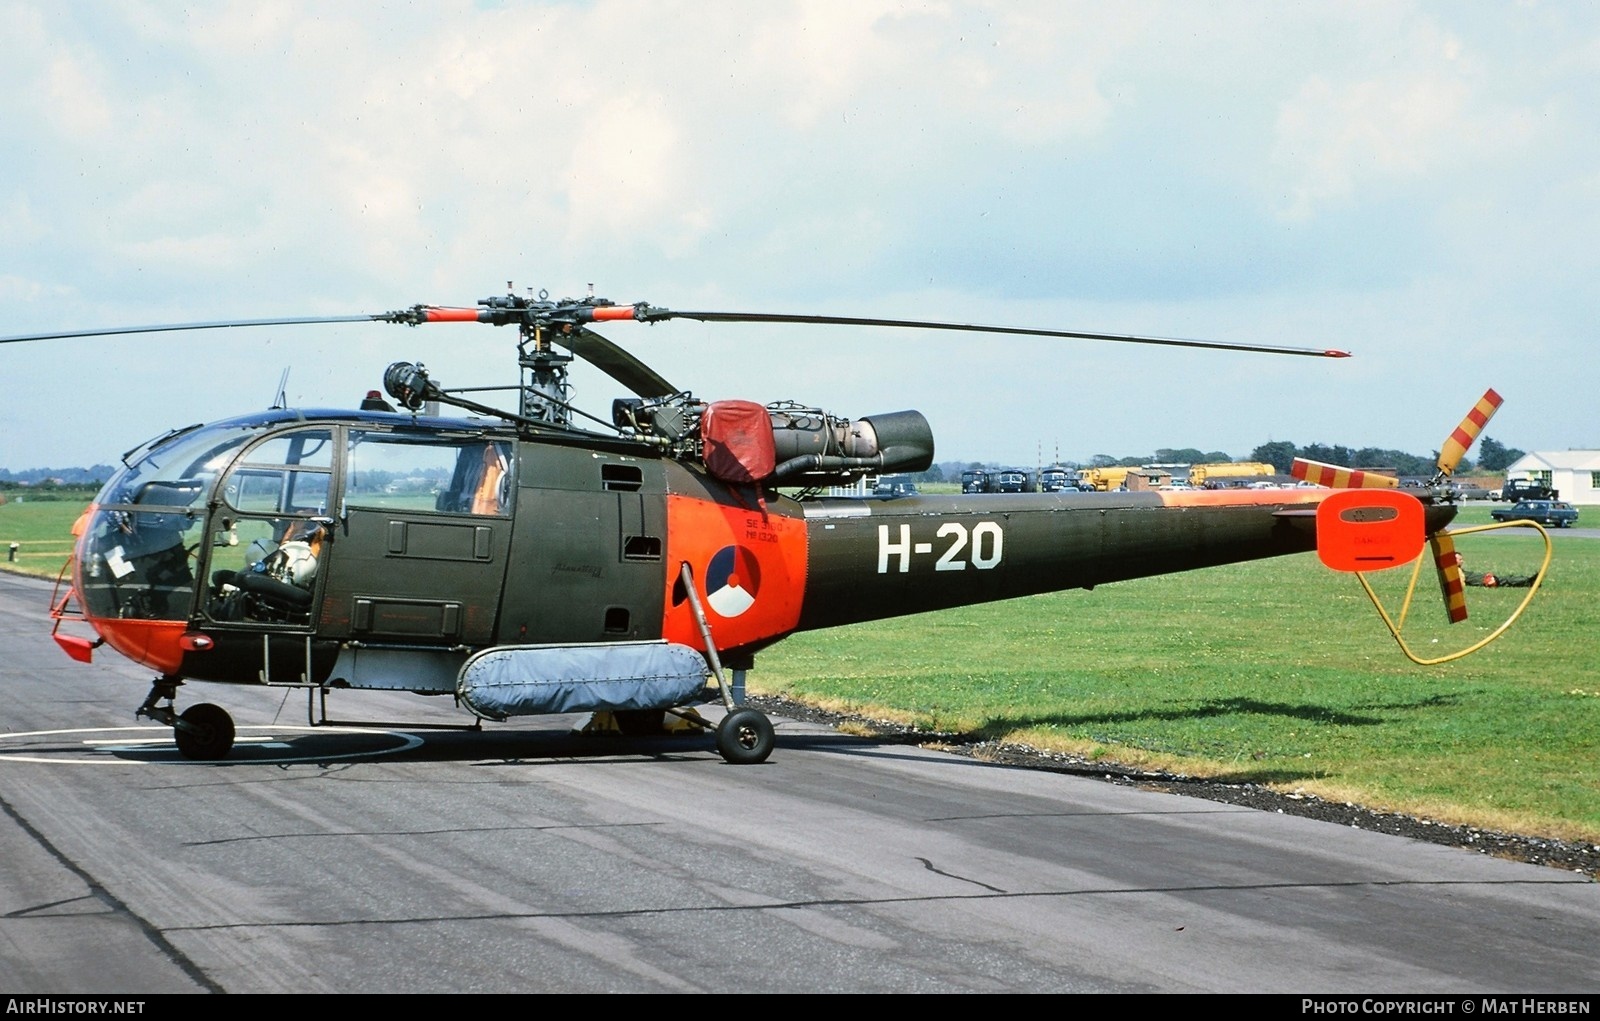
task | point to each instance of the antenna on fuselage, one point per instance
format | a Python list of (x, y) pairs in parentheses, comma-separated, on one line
[(282, 400)]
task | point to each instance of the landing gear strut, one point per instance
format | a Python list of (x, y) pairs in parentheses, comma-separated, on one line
[(744, 737), (203, 732)]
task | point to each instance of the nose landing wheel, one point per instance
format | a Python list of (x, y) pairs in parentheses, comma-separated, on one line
[(203, 732)]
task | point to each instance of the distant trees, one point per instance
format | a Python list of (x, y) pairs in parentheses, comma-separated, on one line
[(1183, 455), (1495, 456), (1279, 453)]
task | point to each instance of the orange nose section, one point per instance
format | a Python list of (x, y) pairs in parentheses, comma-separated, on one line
[(155, 643)]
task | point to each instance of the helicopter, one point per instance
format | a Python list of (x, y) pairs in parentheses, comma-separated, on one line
[(547, 560)]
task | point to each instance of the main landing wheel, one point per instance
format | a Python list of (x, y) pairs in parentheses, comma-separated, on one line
[(205, 732), (744, 737)]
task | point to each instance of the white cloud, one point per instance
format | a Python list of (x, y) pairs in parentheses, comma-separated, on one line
[(1413, 181)]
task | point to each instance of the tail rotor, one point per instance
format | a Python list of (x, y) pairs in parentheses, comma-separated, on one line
[(1352, 528)]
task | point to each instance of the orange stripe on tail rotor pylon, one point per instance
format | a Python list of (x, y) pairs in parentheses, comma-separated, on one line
[(1455, 448), (1337, 477), (1452, 582)]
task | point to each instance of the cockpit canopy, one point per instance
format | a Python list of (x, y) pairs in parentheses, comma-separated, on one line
[(200, 514)]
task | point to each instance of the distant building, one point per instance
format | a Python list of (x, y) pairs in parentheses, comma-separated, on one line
[(1575, 474), (1148, 477)]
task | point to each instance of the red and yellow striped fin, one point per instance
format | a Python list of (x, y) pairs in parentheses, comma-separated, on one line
[(1338, 477), (1452, 582), (1455, 448)]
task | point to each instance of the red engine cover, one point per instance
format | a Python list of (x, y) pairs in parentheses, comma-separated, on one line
[(738, 441)]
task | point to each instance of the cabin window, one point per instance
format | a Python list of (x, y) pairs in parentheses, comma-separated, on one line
[(641, 547), (408, 473), (287, 474), (621, 478)]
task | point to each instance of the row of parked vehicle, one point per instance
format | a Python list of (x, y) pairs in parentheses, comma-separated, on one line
[(1550, 513), (1004, 480)]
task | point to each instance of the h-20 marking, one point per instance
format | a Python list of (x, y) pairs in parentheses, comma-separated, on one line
[(986, 541)]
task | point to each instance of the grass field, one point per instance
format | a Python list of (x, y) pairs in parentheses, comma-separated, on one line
[(42, 533), (1276, 672)]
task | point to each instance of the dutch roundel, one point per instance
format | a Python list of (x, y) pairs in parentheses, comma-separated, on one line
[(732, 578)]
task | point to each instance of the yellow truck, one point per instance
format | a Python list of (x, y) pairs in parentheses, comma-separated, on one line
[(1103, 479), (1200, 474)]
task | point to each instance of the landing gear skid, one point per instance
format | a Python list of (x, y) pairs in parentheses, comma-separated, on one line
[(203, 732)]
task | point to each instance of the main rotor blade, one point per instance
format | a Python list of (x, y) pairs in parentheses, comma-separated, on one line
[(614, 362), (107, 331), (652, 314)]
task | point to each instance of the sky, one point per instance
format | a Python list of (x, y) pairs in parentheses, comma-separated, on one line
[(1416, 183)]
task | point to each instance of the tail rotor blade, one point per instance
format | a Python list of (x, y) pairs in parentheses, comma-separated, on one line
[(1455, 447), (1339, 477), (1452, 582)]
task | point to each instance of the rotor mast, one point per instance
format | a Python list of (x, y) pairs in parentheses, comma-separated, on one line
[(544, 389), (545, 393)]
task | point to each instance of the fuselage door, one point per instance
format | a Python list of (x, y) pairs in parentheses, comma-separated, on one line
[(422, 531)]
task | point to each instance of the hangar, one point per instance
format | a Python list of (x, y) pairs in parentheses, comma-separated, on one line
[(1575, 474)]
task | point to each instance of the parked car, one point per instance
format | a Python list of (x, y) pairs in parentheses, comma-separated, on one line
[(1012, 480), (1526, 489), (889, 488), (1468, 491), (1553, 513), (1056, 478), (975, 480)]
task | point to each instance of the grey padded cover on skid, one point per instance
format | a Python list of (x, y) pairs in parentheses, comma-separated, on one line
[(527, 680)]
